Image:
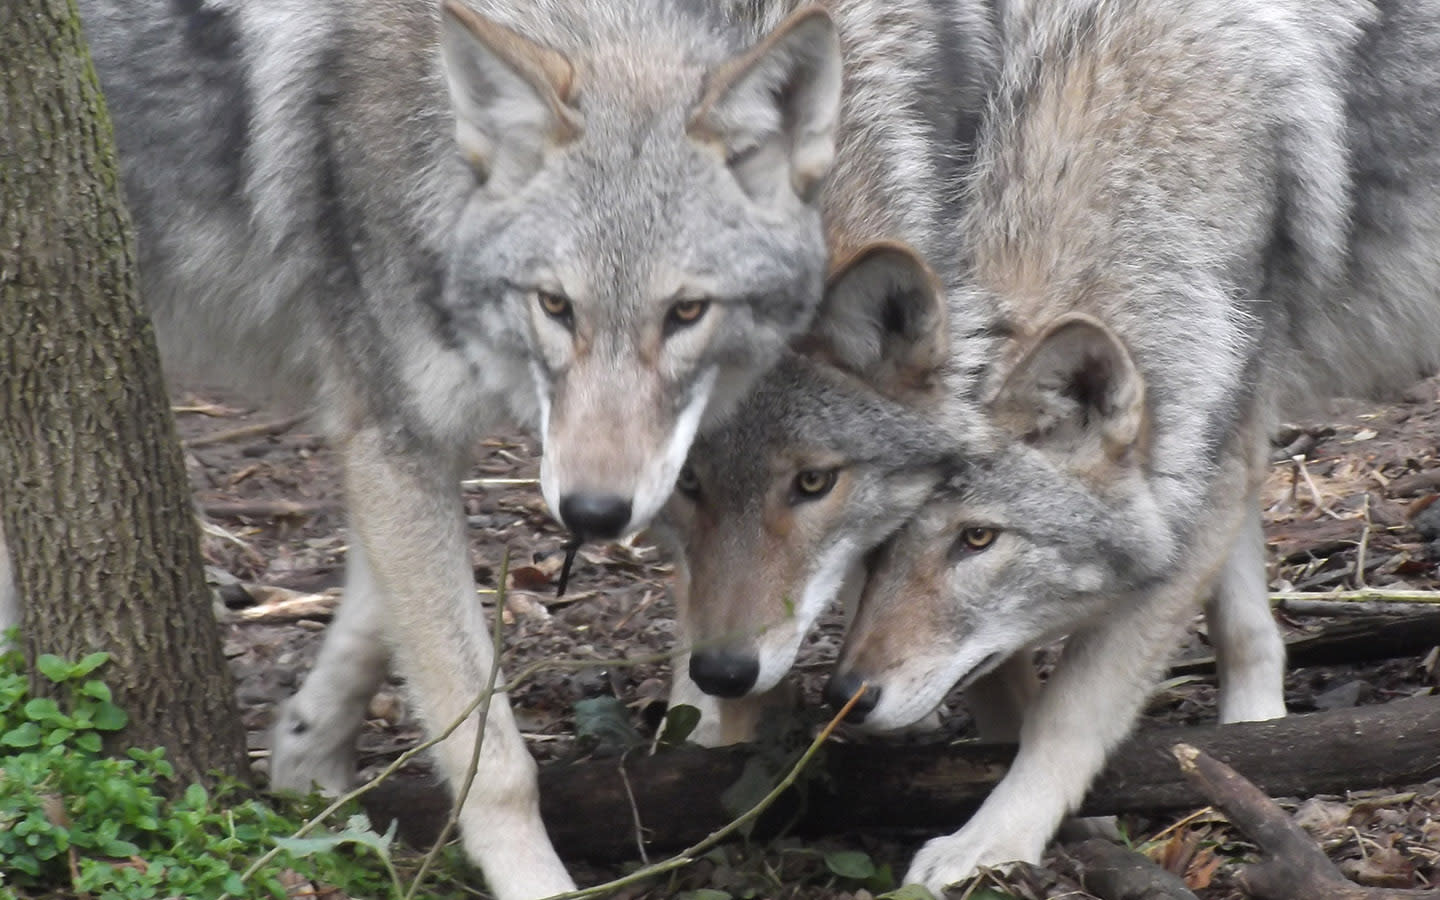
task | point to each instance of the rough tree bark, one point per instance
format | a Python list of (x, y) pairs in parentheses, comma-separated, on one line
[(93, 494)]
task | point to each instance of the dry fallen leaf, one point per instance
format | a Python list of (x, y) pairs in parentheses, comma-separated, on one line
[(1202, 869)]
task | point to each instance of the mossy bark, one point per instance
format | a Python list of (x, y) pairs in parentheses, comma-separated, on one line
[(93, 494)]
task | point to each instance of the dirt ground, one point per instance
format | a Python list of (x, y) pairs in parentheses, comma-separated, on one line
[(1355, 484)]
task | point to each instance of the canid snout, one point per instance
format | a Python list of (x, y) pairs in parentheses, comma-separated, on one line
[(842, 686), (595, 516), (724, 673)]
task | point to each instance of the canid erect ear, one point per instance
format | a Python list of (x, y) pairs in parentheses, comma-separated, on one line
[(511, 95), (883, 318), (773, 110), (1076, 393)]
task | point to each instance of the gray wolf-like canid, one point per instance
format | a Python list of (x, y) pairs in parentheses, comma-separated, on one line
[(603, 220), (1184, 219)]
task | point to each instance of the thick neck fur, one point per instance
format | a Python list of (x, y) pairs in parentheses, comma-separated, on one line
[(1122, 175)]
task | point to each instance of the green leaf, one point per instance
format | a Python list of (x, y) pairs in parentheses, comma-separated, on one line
[(53, 667), (680, 722), (756, 780), (27, 734), (98, 690), (57, 737), (883, 879), (604, 722), (850, 864), (90, 663), (109, 717), (358, 831), (42, 709), (196, 796), (908, 892), (89, 742)]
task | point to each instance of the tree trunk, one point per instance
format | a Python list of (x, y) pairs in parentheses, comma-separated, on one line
[(93, 493)]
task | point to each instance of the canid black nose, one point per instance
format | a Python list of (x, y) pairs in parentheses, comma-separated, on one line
[(595, 516), (842, 686), (722, 673)]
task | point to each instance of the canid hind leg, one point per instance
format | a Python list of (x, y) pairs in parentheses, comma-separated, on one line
[(1249, 651), (314, 735)]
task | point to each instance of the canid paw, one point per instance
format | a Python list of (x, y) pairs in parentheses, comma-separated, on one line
[(512, 849), (956, 857)]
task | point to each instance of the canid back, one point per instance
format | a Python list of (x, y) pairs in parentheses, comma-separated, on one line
[(1257, 219), (292, 172)]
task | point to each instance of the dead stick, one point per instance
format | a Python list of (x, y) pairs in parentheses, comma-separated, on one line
[(1360, 640), (1362, 595), (1294, 867), (1343, 608), (259, 429), (1112, 872), (267, 509)]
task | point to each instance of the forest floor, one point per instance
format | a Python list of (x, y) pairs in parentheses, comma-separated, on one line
[(1355, 484)]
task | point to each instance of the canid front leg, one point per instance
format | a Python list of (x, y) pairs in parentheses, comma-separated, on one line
[(9, 596), (314, 736), (405, 507), (1249, 651), (1086, 708)]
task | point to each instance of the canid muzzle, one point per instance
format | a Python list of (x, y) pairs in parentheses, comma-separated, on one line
[(613, 451)]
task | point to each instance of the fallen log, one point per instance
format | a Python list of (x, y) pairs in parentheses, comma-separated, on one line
[(1362, 640), (1294, 867), (934, 788)]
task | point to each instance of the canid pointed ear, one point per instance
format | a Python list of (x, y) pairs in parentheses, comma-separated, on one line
[(774, 110), (1077, 393), (883, 318), (511, 96)]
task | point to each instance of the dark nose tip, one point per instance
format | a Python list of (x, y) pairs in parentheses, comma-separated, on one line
[(842, 686), (722, 673), (595, 516)]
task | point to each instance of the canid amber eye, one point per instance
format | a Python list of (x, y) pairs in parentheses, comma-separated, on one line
[(688, 483), (555, 306), (978, 538), (812, 484), (684, 313)]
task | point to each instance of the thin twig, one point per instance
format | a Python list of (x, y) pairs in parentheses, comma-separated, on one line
[(634, 808), (474, 765), (399, 762), (259, 429), (471, 484), (1315, 495), (643, 605), (1179, 823), (1358, 596), (268, 509), (1364, 543), (690, 854)]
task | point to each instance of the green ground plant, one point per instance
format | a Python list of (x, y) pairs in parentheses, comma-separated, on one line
[(76, 822)]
